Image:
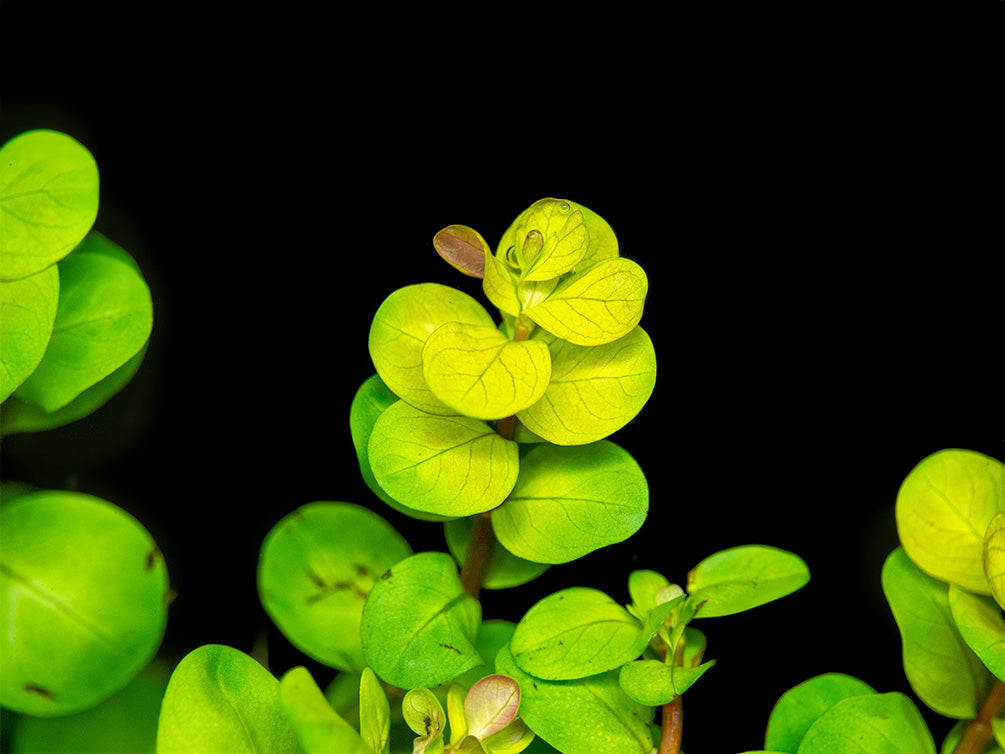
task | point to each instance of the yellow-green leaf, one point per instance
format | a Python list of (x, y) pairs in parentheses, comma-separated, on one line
[(480, 372), (399, 331), (599, 304), (318, 727), (943, 510), (27, 313), (500, 285), (550, 238), (449, 465), (595, 391), (994, 557)]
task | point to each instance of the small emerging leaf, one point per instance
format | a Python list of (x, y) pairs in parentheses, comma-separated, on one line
[(742, 578), (943, 510), (374, 713), (463, 248), (424, 715), (550, 238), (491, 705), (479, 372), (654, 683), (319, 729)]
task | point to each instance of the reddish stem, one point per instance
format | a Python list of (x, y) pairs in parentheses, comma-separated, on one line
[(978, 731)]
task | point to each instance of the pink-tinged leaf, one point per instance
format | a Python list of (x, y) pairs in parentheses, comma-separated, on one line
[(491, 704), (463, 248)]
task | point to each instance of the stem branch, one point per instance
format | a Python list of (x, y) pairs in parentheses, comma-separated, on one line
[(978, 731)]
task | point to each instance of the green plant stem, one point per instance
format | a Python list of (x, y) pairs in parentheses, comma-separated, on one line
[(978, 731)]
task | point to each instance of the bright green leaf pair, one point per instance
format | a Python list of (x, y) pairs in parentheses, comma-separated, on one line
[(317, 566), (83, 601), (839, 713)]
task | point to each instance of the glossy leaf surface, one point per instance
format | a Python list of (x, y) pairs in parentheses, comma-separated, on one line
[(125, 723), (27, 314), (104, 317), (597, 305), (943, 510), (491, 705), (979, 621), (549, 237), (319, 729), (447, 465), (419, 624), (556, 711), (888, 723), (423, 713), (399, 331), (993, 555), (83, 601), (745, 577), (317, 567), (374, 713), (505, 570), (799, 707), (569, 502), (221, 701), (943, 671), (574, 633), (48, 200), (479, 372), (593, 391), (654, 683)]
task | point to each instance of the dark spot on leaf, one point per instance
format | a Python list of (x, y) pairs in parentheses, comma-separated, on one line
[(31, 688), (429, 725), (387, 574), (318, 581), (152, 557), (361, 570), (454, 649), (534, 684)]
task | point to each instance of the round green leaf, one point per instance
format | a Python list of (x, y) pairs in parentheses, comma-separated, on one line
[(491, 705), (799, 707), (603, 243), (596, 305), (594, 391), (103, 319), (994, 558), (556, 711), (423, 713), (879, 723), (48, 200), (479, 372), (419, 624), (980, 623), (83, 601), (27, 314), (125, 723), (943, 671), (575, 633), (316, 568), (369, 402), (561, 239), (745, 577), (221, 701), (943, 510), (505, 570), (568, 502), (18, 416), (318, 728), (399, 331), (448, 465)]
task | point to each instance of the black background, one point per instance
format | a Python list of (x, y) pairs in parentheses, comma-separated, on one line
[(814, 189)]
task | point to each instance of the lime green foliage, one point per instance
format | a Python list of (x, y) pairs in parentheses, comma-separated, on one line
[(48, 200), (83, 601), (318, 728), (994, 558), (220, 700), (943, 671), (801, 706), (75, 311), (125, 723), (944, 508), (374, 713), (742, 578), (419, 625), (316, 568)]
